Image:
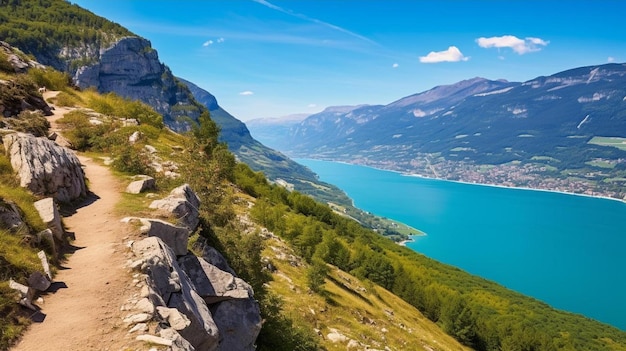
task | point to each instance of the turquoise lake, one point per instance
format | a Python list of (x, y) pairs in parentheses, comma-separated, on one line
[(568, 251)]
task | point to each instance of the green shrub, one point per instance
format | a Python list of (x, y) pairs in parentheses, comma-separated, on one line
[(30, 122), (79, 131), (5, 65), (131, 159), (50, 78)]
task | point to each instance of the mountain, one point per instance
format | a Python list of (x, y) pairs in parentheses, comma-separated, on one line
[(322, 280), (563, 129), (259, 157), (272, 130)]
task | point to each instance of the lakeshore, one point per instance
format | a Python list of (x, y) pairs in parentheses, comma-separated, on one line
[(534, 242)]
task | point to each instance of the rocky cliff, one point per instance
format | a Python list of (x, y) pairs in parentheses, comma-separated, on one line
[(131, 68)]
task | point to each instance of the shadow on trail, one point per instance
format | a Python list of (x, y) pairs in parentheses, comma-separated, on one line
[(70, 209)]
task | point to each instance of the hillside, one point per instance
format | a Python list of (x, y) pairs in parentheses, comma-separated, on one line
[(308, 245), (321, 280), (561, 132)]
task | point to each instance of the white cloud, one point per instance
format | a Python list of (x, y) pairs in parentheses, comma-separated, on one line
[(246, 93), (610, 59), (453, 54), (520, 46), (395, 65), (211, 42), (312, 105)]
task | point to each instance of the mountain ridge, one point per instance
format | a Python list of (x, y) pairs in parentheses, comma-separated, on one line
[(550, 129)]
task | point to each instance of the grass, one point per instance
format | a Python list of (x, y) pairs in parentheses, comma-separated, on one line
[(359, 310), (619, 143)]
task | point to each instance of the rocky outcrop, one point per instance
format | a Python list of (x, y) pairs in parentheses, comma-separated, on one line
[(131, 68), (231, 301), (45, 168), (182, 204), (17, 59), (170, 287), (176, 238)]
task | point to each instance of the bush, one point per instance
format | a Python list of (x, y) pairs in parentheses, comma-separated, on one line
[(50, 78), (79, 131), (5, 65), (131, 159), (30, 122)]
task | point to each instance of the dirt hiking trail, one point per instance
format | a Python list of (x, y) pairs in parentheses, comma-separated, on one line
[(83, 311)]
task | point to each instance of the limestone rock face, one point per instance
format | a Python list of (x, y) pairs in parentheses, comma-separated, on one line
[(45, 168), (131, 68), (231, 301), (172, 288), (183, 204)]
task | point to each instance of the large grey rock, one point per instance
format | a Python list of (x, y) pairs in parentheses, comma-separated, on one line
[(183, 204), (45, 168), (174, 237), (212, 283), (172, 288), (140, 185), (10, 216), (212, 256), (49, 214), (234, 309)]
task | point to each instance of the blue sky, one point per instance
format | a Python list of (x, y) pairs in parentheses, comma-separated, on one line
[(270, 58)]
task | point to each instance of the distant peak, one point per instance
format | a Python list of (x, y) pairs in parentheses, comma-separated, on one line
[(343, 109)]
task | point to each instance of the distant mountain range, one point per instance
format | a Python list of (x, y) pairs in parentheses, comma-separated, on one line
[(561, 122)]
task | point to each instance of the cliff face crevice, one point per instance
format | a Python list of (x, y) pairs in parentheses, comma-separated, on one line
[(131, 68)]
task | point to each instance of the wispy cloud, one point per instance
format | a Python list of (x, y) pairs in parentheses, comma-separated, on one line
[(246, 93), (453, 54), (314, 20), (610, 59), (312, 105), (520, 46), (395, 65), (211, 42)]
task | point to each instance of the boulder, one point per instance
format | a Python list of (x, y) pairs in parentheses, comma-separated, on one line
[(231, 301), (140, 185), (183, 204), (170, 287), (45, 168), (212, 283), (212, 256), (49, 214), (174, 237)]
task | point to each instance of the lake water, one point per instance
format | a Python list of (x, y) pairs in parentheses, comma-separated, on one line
[(566, 250)]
